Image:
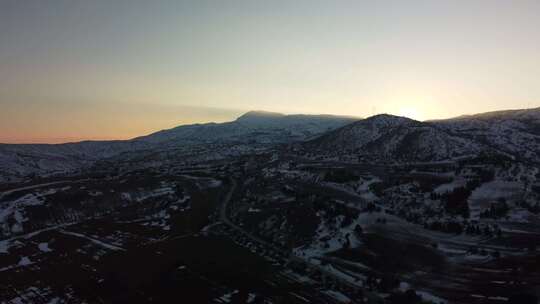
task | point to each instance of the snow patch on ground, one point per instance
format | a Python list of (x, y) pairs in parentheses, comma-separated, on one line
[(226, 298), (95, 241), (44, 247), (430, 297), (24, 261), (329, 239), (488, 193), (4, 246), (338, 296), (14, 212), (495, 190), (449, 187)]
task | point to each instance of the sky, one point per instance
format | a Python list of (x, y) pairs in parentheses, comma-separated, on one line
[(76, 69)]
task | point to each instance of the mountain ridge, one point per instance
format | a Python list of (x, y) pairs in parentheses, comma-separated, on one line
[(380, 137), (385, 137), (250, 130)]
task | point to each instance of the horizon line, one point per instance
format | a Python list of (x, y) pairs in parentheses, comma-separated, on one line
[(75, 140)]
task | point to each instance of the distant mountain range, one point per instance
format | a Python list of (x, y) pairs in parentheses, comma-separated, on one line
[(253, 129), (390, 138), (383, 137)]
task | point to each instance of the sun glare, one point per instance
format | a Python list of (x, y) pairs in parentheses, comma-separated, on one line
[(410, 112)]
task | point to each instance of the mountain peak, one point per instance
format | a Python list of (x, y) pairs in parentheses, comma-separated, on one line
[(385, 116), (388, 120), (257, 116)]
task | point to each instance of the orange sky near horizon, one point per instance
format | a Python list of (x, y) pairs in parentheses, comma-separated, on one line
[(74, 70)]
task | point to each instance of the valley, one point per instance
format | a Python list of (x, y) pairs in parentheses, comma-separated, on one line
[(378, 210)]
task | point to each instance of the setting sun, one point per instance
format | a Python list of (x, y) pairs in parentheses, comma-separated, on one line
[(270, 151), (410, 112)]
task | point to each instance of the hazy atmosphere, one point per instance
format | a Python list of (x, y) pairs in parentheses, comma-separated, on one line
[(270, 152), (74, 70)]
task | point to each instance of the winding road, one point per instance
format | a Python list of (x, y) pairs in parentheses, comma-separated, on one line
[(290, 257)]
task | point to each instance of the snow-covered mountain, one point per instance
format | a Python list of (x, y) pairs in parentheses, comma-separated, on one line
[(41, 159), (252, 128), (393, 139), (516, 132), (379, 138)]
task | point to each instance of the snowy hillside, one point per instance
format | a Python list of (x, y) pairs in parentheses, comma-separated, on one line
[(37, 159), (392, 138), (19, 161), (252, 127), (515, 132), (379, 138)]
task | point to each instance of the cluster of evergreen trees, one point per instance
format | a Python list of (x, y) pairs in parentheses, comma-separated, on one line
[(496, 210), (456, 201)]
